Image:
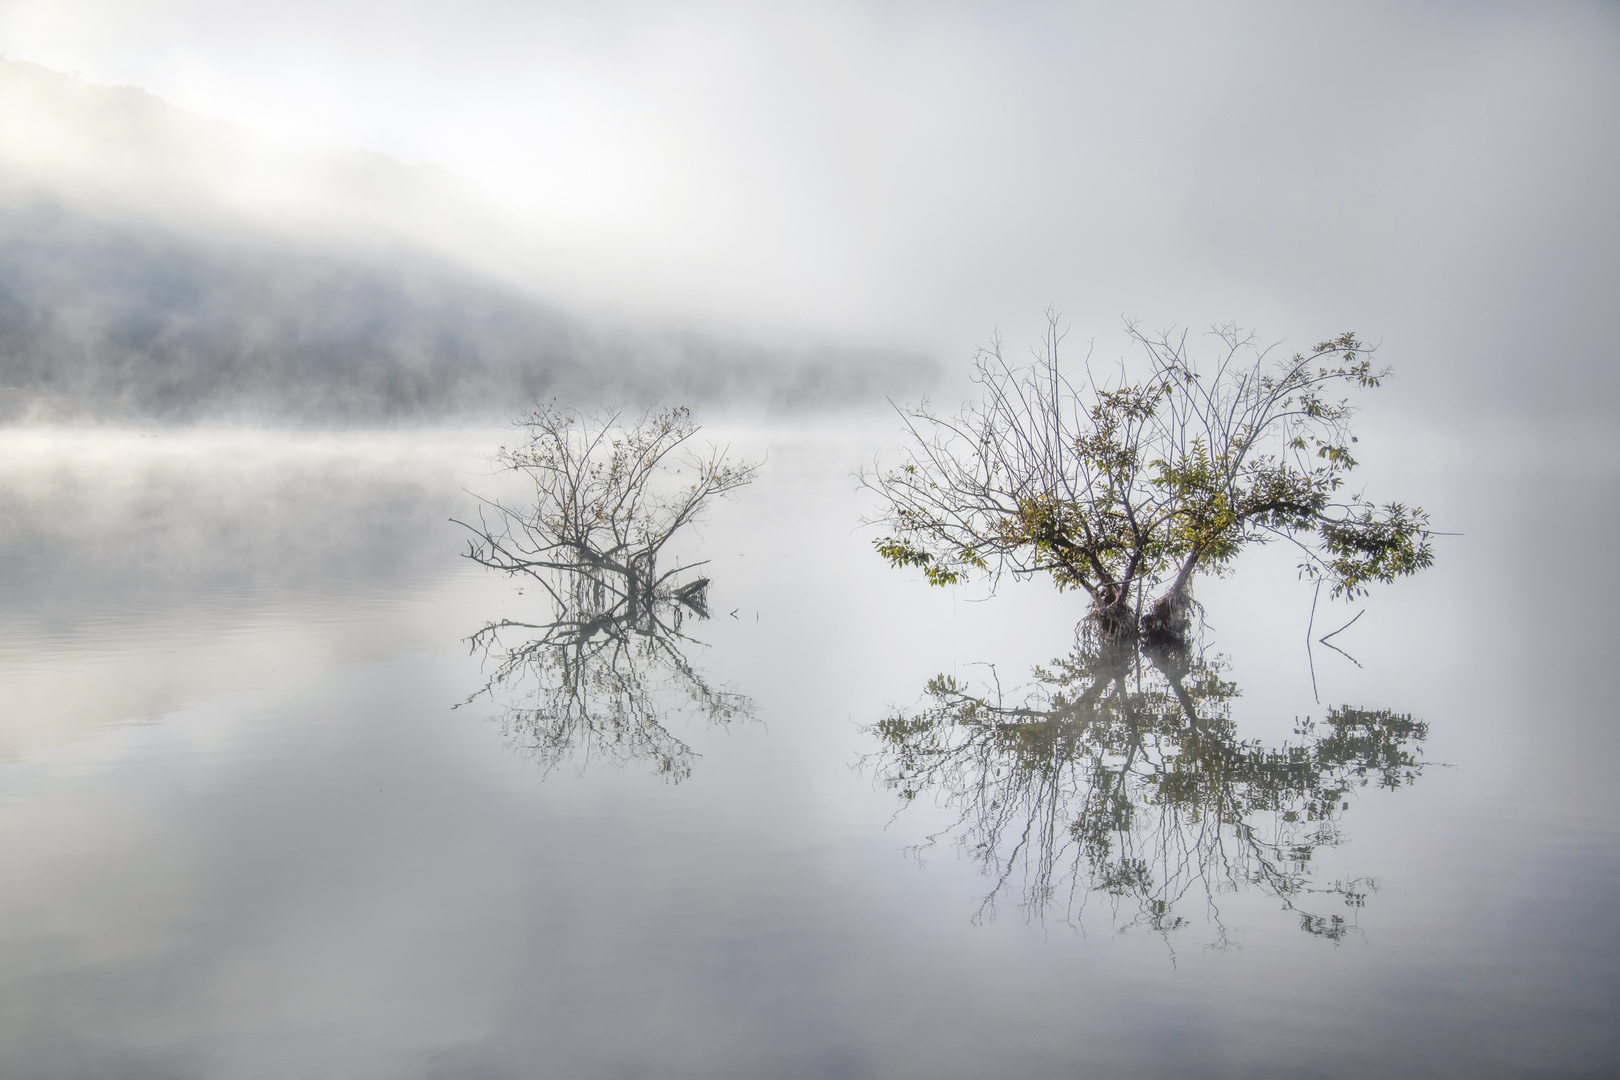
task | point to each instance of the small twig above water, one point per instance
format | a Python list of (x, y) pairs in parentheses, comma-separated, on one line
[(1324, 639), (1309, 627)]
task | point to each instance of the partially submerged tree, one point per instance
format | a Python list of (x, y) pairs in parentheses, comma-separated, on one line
[(1130, 782), (607, 496), (1128, 487), (602, 673)]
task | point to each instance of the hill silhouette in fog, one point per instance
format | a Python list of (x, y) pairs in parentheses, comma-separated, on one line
[(134, 286), (123, 320)]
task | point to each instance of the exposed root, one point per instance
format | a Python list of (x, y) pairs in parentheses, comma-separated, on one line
[(1113, 620), (1164, 631), (1169, 620)]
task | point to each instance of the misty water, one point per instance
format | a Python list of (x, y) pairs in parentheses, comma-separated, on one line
[(251, 824)]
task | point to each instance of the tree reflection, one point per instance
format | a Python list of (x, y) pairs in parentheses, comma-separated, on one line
[(602, 676), (1120, 774)]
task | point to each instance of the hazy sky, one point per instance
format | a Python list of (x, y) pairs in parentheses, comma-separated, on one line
[(1439, 177)]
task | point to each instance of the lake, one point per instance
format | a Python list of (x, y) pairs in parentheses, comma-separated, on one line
[(257, 821)]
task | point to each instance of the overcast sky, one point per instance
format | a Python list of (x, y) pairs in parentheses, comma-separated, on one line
[(1439, 177)]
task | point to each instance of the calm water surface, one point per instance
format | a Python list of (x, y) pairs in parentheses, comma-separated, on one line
[(245, 830)]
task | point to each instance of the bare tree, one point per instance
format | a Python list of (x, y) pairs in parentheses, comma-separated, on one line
[(600, 675), (607, 496), (1128, 488)]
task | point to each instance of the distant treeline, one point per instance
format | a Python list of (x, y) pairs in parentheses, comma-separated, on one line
[(121, 321)]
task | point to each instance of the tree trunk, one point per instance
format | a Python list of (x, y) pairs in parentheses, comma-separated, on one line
[(1166, 628)]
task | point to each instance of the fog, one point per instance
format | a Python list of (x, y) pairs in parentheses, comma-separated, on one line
[(133, 321), (154, 265), (909, 178), (275, 279)]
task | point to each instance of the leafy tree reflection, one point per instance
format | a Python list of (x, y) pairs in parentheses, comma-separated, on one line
[(602, 676), (1121, 774)]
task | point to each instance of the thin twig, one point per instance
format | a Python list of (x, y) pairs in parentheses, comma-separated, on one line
[(1308, 654), (1324, 639)]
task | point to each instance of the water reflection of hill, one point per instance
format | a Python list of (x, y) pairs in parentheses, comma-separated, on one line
[(1121, 775)]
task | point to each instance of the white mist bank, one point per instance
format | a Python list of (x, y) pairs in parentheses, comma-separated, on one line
[(158, 265)]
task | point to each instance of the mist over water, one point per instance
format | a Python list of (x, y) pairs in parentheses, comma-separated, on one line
[(248, 832), (290, 786)]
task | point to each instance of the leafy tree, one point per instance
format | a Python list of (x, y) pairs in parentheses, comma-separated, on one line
[(1128, 487)]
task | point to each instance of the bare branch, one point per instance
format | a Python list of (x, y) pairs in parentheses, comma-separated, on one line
[(603, 674)]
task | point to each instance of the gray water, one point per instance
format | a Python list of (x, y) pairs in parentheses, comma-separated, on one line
[(250, 825)]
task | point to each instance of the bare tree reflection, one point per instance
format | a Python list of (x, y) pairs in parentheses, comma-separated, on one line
[(1120, 774), (602, 675)]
